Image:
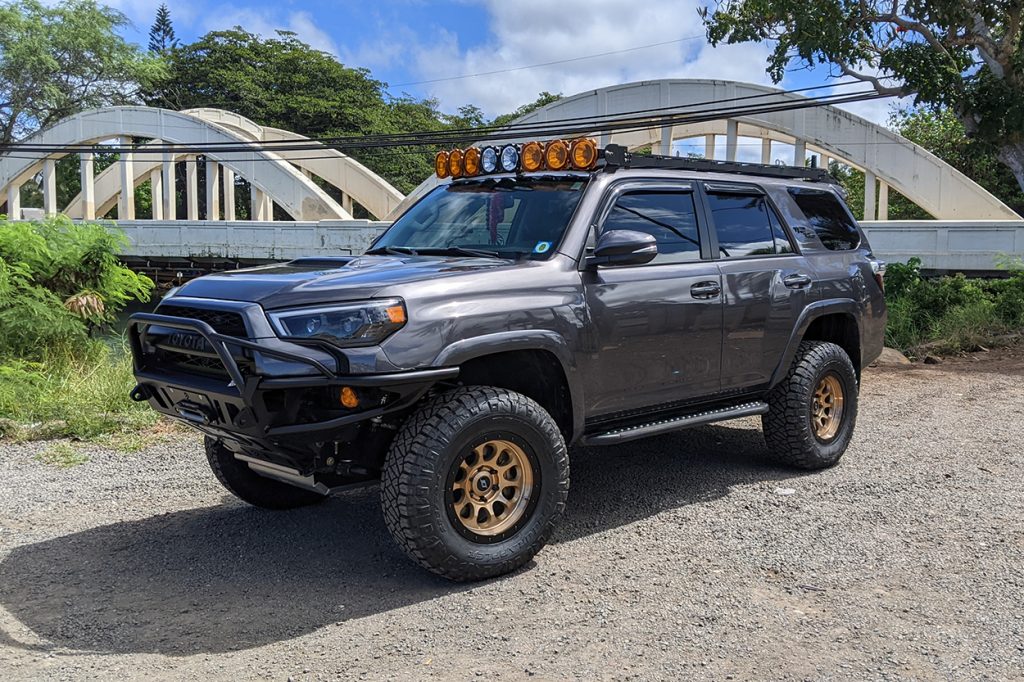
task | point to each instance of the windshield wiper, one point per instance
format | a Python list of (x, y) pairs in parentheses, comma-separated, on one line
[(462, 251), (393, 251)]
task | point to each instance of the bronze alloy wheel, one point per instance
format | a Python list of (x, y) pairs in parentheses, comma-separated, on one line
[(827, 407), (492, 487)]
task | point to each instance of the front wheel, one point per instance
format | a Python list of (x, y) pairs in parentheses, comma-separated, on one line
[(474, 482), (813, 410)]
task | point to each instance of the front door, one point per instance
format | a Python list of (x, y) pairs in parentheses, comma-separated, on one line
[(655, 329)]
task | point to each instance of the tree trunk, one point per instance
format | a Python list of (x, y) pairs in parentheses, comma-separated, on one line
[(1012, 154)]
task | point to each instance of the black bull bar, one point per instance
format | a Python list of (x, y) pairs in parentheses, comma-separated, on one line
[(408, 386)]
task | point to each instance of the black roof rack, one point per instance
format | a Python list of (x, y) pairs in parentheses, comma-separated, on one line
[(617, 156)]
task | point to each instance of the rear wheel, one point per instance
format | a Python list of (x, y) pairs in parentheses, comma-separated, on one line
[(247, 485), (474, 482), (813, 410)]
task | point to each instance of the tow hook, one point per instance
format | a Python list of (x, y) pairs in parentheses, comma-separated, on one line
[(141, 393)]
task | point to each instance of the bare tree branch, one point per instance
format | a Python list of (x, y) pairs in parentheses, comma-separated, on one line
[(875, 82)]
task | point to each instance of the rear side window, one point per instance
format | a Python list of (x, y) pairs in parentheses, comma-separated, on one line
[(669, 216), (746, 226), (828, 218)]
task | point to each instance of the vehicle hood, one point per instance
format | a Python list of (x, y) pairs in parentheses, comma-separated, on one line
[(315, 281)]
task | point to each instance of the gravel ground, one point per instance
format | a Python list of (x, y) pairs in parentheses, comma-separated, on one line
[(685, 556)]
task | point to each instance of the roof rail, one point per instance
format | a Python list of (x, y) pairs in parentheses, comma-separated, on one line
[(617, 156)]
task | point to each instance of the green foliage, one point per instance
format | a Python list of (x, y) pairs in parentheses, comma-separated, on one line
[(964, 57), (61, 58), (57, 280), (942, 133), (953, 313), (543, 99), (161, 33), (62, 455), (81, 395)]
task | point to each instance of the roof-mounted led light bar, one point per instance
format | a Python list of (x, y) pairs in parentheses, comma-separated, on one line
[(529, 157)]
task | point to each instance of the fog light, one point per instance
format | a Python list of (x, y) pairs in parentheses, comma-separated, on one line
[(349, 398)]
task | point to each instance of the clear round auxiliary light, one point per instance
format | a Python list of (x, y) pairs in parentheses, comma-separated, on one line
[(509, 158), (489, 160)]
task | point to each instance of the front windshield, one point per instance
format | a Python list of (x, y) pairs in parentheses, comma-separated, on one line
[(496, 217)]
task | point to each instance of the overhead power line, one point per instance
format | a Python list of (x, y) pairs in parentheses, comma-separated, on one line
[(638, 120), (474, 132)]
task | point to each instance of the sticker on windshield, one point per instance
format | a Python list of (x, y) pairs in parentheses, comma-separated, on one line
[(542, 247)]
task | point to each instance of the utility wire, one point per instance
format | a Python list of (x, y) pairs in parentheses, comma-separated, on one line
[(580, 125), (510, 130)]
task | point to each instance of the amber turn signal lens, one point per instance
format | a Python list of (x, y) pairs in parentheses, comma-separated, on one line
[(533, 157), (584, 153), (396, 314), (349, 398), (455, 163), (556, 155), (441, 164), (471, 161)]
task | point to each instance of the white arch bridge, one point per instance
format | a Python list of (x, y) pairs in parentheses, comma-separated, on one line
[(971, 227), (285, 178)]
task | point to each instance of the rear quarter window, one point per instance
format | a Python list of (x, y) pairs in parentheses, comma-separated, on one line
[(828, 217)]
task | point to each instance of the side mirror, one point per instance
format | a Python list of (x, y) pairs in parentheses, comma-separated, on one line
[(624, 247)]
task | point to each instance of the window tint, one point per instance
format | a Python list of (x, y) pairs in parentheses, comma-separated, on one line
[(742, 225), (782, 243), (828, 218), (669, 216)]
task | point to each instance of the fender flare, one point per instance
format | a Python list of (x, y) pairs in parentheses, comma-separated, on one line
[(810, 314), (521, 339)]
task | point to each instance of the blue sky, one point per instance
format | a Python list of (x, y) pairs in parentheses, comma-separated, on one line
[(407, 42)]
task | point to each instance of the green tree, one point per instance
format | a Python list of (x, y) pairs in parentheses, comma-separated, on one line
[(964, 55), (280, 82), (285, 83), (543, 99), (56, 60), (161, 33)]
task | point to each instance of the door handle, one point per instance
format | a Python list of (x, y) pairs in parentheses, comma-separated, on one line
[(705, 290), (797, 281)]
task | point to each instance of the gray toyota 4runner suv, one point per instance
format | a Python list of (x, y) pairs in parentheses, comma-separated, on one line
[(545, 297)]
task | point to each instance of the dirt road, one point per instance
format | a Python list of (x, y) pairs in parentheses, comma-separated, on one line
[(681, 557)]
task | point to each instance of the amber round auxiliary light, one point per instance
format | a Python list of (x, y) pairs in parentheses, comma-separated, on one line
[(471, 161), (556, 155), (455, 163), (533, 157), (441, 164), (349, 398), (584, 153)]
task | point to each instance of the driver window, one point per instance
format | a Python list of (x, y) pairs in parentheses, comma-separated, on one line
[(670, 217)]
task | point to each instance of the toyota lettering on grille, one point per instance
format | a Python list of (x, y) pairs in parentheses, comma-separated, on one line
[(188, 341)]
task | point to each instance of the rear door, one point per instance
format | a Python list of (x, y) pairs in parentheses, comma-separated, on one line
[(766, 284), (656, 329)]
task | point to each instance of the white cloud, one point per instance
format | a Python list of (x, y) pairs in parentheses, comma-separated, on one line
[(266, 23), (531, 32)]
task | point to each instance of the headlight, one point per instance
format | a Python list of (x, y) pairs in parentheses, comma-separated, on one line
[(355, 324)]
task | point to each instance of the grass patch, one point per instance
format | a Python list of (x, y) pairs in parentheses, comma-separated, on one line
[(74, 396), (62, 455), (950, 314)]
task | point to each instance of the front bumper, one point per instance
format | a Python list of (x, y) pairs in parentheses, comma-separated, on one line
[(264, 412)]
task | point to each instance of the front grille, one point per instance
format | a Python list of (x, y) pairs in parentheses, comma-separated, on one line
[(196, 364), (223, 321)]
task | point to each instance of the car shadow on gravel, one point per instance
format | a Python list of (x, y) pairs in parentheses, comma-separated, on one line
[(233, 577)]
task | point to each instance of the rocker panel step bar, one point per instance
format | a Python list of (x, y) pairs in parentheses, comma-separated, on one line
[(622, 435)]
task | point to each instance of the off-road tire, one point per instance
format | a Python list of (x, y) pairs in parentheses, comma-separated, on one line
[(415, 487), (247, 485), (788, 430)]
